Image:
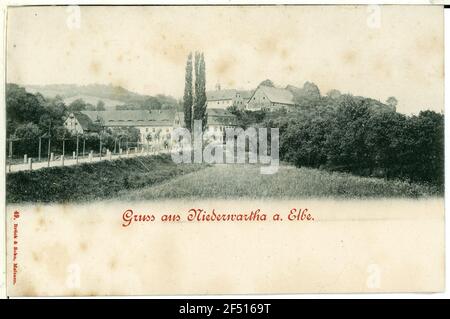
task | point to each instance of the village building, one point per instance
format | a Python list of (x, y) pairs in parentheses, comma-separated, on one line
[(223, 99), (158, 123), (242, 98), (220, 99), (270, 98), (218, 120), (79, 123)]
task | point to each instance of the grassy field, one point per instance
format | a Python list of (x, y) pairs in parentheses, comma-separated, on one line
[(245, 181), (158, 177), (92, 181)]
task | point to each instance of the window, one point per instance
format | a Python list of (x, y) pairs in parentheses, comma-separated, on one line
[(146, 129), (153, 130)]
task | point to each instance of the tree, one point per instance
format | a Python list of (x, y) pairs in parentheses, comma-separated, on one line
[(77, 105), (423, 151), (133, 134), (345, 146), (100, 106), (311, 90), (27, 131), (127, 107), (267, 82), (61, 133), (334, 94), (167, 102), (188, 98), (21, 106), (152, 103), (392, 102), (307, 97), (245, 118), (384, 143), (90, 107), (158, 134), (199, 111)]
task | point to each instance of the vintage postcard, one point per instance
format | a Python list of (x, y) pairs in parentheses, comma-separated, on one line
[(198, 150)]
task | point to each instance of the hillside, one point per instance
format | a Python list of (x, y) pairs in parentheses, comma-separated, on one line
[(109, 94), (98, 90), (89, 99)]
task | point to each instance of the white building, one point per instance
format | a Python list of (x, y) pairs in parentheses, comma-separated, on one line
[(223, 99), (270, 98), (157, 123)]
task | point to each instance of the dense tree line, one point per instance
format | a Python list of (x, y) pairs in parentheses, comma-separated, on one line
[(353, 135), (31, 116), (158, 102)]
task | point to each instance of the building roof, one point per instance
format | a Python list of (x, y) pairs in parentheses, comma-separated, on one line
[(215, 117), (246, 94), (220, 117), (86, 123), (219, 95), (127, 118), (277, 95)]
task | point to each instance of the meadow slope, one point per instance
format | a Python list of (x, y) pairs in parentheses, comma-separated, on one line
[(245, 181)]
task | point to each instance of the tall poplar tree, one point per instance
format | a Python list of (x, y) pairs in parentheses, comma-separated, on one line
[(200, 89), (188, 97)]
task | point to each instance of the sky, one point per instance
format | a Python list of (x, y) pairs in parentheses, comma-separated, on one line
[(373, 51)]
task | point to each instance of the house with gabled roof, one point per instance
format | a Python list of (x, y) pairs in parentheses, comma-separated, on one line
[(79, 123), (270, 98), (220, 99), (223, 99), (158, 123), (217, 121)]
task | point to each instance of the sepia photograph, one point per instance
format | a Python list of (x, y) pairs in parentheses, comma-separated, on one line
[(92, 106), (224, 149)]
